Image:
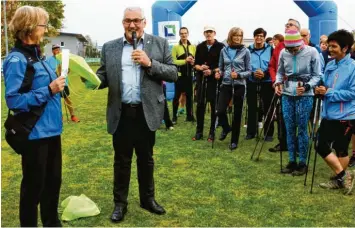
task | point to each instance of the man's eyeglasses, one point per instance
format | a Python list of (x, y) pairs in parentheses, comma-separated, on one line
[(135, 21), (259, 36), (290, 24)]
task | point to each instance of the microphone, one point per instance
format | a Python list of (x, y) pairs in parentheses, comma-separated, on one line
[(134, 38)]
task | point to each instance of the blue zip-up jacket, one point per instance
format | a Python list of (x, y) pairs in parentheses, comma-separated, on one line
[(339, 101), (50, 122), (260, 59), (304, 66), (240, 62)]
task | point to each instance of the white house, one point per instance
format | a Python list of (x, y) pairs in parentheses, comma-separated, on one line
[(76, 43)]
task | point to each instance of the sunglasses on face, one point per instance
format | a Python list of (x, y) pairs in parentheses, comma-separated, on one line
[(293, 49)]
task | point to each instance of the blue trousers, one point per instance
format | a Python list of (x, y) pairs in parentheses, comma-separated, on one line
[(296, 112)]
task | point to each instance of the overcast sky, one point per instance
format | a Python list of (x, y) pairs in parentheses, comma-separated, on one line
[(101, 20)]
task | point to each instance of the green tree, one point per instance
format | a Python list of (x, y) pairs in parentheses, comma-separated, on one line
[(91, 48), (55, 10)]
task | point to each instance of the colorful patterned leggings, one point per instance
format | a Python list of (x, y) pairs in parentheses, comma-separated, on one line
[(296, 111)]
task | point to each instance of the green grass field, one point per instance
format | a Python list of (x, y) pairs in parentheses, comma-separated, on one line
[(197, 185)]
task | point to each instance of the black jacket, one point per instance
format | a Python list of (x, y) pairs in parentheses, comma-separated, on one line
[(208, 57)]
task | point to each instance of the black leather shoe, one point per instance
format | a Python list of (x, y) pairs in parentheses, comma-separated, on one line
[(153, 207), (118, 213)]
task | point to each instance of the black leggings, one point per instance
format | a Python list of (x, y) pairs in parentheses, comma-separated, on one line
[(223, 101)]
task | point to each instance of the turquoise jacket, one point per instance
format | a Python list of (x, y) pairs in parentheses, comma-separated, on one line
[(339, 101)]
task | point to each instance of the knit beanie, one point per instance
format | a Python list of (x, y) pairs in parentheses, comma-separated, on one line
[(293, 38)]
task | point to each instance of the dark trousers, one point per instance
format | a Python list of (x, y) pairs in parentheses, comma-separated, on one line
[(167, 119), (133, 133), (41, 181), (225, 96), (206, 94), (184, 84), (266, 93), (281, 127)]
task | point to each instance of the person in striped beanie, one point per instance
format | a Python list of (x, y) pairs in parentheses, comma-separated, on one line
[(298, 72)]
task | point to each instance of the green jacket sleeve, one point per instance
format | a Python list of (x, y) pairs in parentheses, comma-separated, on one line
[(174, 53)]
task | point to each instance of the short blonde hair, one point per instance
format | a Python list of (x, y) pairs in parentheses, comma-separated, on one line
[(25, 20), (232, 32)]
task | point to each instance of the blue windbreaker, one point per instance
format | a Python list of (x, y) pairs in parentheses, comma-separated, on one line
[(260, 59), (339, 101), (50, 122)]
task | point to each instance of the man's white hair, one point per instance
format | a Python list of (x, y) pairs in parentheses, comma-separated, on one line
[(134, 8)]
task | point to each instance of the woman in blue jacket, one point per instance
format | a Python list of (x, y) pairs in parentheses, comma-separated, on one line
[(234, 66), (338, 114), (42, 158), (298, 73)]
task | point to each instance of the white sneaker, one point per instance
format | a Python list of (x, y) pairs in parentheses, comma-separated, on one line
[(171, 128), (260, 125), (245, 126)]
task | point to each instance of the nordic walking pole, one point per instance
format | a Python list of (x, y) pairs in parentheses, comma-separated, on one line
[(232, 104), (258, 139), (312, 139), (315, 156), (263, 143), (217, 98)]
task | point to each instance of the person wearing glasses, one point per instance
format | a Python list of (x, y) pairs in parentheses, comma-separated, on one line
[(298, 73), (338, 114), (233, 69), (259, 82), (31, 87), (134, 68), (183, 55), (274, 61)]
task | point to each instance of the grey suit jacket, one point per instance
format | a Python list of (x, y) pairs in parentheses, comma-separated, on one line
[(162, 69)]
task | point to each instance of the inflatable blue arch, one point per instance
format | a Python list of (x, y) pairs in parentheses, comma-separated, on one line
[(322, 19)]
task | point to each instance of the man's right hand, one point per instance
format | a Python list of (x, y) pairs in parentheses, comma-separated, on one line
[(57, 85), (278, 89)]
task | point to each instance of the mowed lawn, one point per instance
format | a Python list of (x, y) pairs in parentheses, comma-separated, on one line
[(197, 185)]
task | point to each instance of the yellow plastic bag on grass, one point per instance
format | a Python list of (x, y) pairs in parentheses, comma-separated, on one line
[(75, 207)]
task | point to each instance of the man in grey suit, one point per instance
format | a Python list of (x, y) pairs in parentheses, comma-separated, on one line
[(135, 107)]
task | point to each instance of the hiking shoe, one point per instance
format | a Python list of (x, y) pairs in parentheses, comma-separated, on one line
[(198, 136), (290, 167), (210, 137), (301, 170), (277, 148), (75, 119), (174, 120), (269, 139), (332, 184), (181, 111), (170, 128), (352, 161), (224, 134), (190, 119), (233, 146), (249, 137), (348, 182)]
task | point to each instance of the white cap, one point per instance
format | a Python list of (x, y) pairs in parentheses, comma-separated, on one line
[(208, 28)]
